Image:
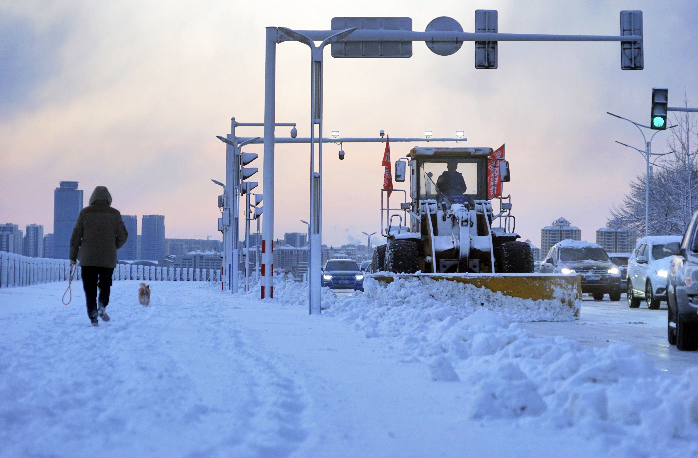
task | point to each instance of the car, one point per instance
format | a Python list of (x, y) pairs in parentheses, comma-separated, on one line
[(598, 274), (621, 260), (648, 268), (342, 274), (365, 266), (682, 290)]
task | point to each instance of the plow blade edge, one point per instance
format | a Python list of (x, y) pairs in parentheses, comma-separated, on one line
[(565, 288)]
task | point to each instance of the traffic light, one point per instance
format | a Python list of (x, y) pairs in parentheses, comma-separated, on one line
[(257, 210), (631, 54), (247, 172), (660, 100), (486, 51)]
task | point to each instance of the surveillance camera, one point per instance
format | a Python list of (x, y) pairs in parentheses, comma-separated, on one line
[(382, 133), (294, 132), (341, 155)]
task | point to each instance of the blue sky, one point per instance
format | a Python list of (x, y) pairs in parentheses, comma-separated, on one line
[(131, 95)]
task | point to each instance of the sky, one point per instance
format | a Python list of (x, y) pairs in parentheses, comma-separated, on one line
[(132, 94)]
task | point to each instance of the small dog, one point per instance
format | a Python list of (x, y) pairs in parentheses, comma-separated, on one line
[(144, 294)]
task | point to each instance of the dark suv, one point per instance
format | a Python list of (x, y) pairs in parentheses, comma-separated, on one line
[(342, 274), (682, 290), (599, 275)]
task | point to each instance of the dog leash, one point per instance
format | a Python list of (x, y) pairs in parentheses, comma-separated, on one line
[(70, 280)]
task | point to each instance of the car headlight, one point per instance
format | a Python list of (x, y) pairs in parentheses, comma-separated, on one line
[(662, 273), (567, 271), (359, 277), (327, 277), (614, 271)]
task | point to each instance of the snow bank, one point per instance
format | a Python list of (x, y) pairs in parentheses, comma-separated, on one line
[(466, 335)]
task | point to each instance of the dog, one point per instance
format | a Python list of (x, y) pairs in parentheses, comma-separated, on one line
[(144, 294)]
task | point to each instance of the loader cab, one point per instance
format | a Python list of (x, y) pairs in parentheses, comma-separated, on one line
[(435, 174)]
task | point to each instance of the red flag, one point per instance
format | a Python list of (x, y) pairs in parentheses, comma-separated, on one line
[(494, 181), (387, 175)]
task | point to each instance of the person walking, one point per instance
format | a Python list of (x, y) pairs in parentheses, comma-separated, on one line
[(98, 233)]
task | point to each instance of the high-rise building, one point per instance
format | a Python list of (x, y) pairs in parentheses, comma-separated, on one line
[(129, 250), (10, 238), (48, 246), (560, 230), (296, 239), (153, 237), (34, 241), (615, 240), (67, 203)]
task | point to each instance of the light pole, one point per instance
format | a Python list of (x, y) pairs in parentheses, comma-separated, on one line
[(223, 204), (369, 240), (647, 153), (231, 224)]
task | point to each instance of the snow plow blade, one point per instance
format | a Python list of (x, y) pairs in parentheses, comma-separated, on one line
[(565, 288)]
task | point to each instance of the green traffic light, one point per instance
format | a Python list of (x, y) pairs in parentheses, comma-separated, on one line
[(658, 121)]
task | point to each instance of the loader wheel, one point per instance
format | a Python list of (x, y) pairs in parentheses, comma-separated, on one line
[(402, 257), (516, 258), (378, 263)]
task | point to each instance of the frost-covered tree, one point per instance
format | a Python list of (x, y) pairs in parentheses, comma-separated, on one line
[(673, 190)]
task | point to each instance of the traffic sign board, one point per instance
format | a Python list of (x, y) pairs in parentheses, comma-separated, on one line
[(372, 48)]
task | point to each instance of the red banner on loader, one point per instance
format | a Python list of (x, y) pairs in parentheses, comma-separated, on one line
[(494, 180), (387, 174)]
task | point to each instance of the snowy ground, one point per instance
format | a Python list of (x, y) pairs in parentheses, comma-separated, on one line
[(388, 373)]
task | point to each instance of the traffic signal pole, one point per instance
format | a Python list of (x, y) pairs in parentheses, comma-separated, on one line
[(631, 59)]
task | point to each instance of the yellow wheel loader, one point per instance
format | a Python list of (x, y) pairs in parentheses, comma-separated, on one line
[(446, 229)]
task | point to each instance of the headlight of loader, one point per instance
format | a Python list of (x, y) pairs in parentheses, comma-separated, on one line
[(567, 271)]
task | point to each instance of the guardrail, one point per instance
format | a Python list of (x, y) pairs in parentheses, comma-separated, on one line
[(17, 270)]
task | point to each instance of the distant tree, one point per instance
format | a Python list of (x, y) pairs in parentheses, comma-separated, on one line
[(673, 190)]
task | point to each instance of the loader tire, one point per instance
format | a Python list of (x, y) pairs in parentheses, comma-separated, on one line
[(402, 257), (517, 258), (378, 263)]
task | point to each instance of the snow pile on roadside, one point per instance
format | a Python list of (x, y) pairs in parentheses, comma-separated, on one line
[(464, 334)]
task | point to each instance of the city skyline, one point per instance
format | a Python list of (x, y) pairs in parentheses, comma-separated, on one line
[(131, 96)]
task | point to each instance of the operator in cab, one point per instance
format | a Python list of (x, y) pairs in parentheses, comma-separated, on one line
[(451, 182)]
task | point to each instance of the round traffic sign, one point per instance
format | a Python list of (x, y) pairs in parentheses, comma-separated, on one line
[(444, 24)]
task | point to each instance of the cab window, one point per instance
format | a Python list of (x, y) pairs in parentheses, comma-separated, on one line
[(434, 173)]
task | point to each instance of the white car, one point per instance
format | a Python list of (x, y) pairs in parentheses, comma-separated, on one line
[(648, 268)]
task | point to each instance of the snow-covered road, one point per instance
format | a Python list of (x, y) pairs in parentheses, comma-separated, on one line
[(604, 322), (392, 373)]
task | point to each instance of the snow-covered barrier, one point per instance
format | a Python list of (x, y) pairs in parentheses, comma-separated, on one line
[(546, 290), (17, 270)]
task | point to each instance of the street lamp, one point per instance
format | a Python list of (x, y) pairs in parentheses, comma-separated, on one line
[(369, 239), (647, 153)]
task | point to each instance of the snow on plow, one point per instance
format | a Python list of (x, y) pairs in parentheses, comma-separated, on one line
[(563, 291)]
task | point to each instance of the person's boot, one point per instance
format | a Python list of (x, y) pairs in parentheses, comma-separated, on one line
[(102, 312)]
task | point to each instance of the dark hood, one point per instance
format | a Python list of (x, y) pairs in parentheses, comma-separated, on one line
[(101, 193)]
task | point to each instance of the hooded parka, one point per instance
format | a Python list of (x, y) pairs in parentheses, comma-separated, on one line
[(98, 233)]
